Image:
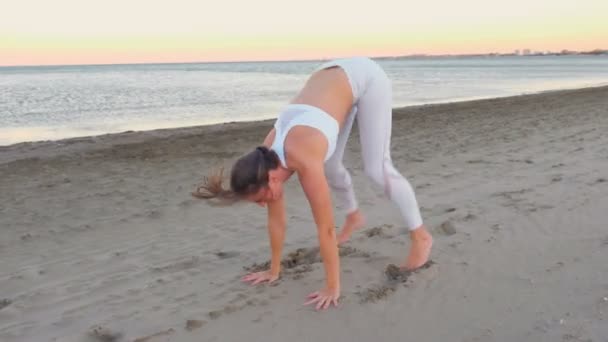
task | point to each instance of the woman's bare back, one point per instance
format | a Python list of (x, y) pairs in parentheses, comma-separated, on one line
[(329, 90)]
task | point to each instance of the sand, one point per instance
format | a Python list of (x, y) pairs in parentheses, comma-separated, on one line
[(101, 241)]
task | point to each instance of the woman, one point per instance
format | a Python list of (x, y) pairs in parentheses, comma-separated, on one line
[(308, 139)]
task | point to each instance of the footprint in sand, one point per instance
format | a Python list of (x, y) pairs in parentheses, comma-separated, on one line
[(375, 293), (5, 302), (227, 255), (395, 274), (470, 217), (378, 231), (394, 277), (27, 237), (103, 334), (215, 314), (193, 324), (447, 228)]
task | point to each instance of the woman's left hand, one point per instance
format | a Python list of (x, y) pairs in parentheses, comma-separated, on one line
[(259, 277), (324, 298)]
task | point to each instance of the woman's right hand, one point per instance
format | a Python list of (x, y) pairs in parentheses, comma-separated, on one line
[(258, 277)]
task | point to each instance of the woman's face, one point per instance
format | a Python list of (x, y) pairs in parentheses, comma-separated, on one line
[(270, 193)]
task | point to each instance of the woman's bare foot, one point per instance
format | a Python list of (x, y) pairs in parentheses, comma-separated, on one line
[(354, 221), (420, 249)]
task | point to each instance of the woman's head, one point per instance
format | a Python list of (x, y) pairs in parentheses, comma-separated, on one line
[(251, 178)]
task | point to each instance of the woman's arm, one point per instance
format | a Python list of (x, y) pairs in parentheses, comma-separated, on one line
[(277, 223), (316, 188), (269, 138), (276, 230)]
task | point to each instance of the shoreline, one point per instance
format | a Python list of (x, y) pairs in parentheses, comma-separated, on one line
[(107, 140)]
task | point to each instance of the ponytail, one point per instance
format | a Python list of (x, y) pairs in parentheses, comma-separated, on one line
[(249, 174)]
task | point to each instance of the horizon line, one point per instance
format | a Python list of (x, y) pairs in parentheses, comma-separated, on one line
[(602, 52)]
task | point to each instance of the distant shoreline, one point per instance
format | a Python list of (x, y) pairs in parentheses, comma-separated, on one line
[(596, 52), (48, 148), (215, 124)]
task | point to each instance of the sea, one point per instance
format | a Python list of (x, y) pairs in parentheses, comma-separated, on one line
[(56, 102)]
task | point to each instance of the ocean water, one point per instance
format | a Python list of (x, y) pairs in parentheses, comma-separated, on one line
[(48, 103)]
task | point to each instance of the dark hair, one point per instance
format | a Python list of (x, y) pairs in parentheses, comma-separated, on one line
[(249, 174)]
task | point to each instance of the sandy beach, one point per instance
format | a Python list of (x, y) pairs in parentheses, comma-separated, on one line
[(101, 240)]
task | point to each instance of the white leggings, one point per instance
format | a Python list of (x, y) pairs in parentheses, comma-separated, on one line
[(372, 104)]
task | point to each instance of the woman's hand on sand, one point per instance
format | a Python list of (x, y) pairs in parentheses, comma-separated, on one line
[(324, 298), (258, 277)]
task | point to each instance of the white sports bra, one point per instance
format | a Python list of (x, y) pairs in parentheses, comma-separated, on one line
[(304, 115)]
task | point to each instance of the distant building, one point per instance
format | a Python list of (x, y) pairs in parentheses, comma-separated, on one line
[(526, 52)]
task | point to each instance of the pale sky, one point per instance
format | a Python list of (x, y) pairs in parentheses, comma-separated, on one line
[(37, 32)]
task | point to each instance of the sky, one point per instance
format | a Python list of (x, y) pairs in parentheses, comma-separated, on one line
[(43, 32)]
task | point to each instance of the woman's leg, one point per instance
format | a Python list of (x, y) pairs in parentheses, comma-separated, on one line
[(374, 117), (340, 182)]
